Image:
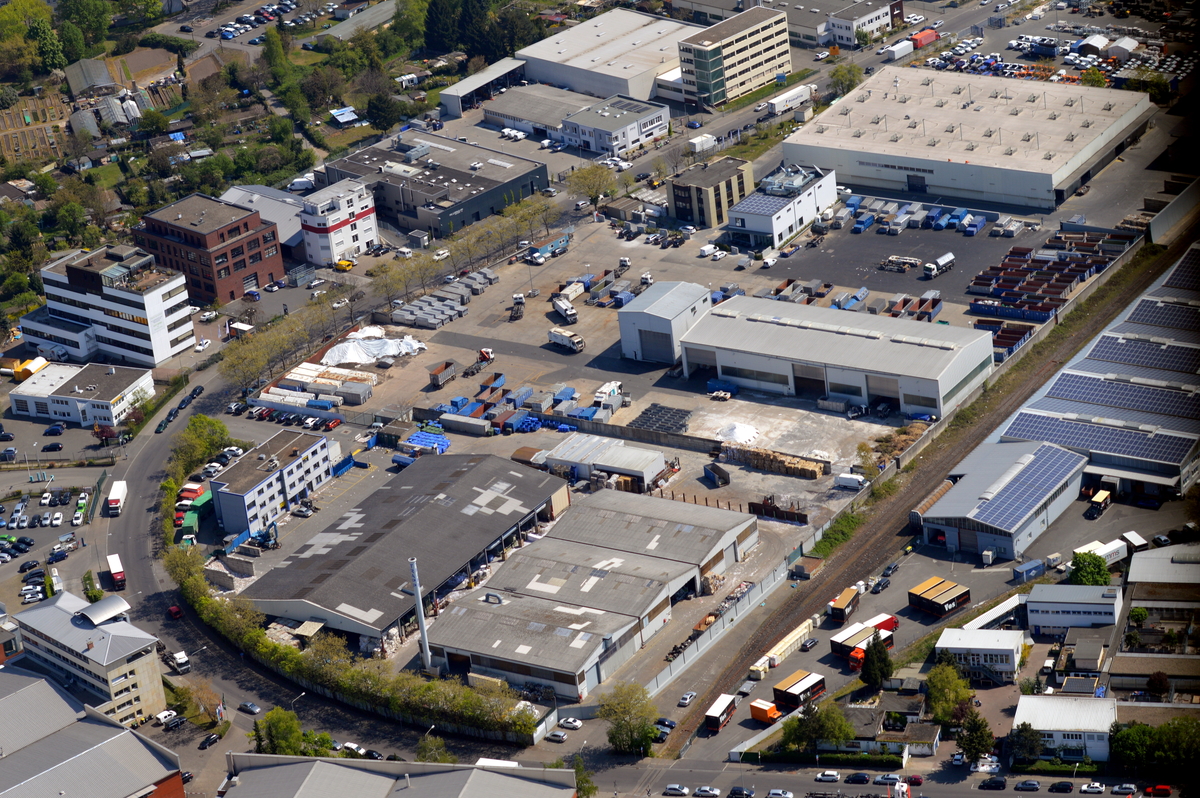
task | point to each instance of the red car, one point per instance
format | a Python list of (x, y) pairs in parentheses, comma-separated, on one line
[(333, 423), (179, 519), (916, 780), (175, 612)]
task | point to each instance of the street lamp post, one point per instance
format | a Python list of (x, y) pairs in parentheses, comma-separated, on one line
[(431, 728), (297, 698)]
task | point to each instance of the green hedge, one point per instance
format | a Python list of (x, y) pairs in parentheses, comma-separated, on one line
[(882, 761), (1048, 768), (172, 43)]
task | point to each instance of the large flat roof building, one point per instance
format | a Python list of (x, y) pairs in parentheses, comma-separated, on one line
[(569, 609), (84, 395), (618, 52), (1072, 727), (453, 513), (653, 324), (616, 125), (1004, 496), (971, 137), (1129, 400), (793, 349), (538, 109)]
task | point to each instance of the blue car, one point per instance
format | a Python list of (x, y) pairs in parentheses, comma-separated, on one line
[(53, 430), (252, 296), (226, 35), (695, 125)]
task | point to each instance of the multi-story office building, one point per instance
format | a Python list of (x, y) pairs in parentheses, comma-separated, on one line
[(95, 648), (85, 395), (1054, 609), (872, 18), (702, 194), (252, 493), (615, 125), (338, 222), (735, 57), (224, 249), (114, 301)]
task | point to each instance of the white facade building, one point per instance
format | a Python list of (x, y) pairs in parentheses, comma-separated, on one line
[(615, 125), (97, 649), (984, 654), (653, 325), (85, 395), (1071, 727), (114, 301), (786, 203), (874, 18), (1053, 609), (339, 222), (252, 494)]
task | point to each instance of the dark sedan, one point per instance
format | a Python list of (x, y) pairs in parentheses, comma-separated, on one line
[(210, 741), (185, 29), (858, 778), (53, 447)]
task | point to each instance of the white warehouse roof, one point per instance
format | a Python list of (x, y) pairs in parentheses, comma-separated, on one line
[(981, 639), (616, 43), (1177, 565), (823, 335), (1066, 713), (667, 300)]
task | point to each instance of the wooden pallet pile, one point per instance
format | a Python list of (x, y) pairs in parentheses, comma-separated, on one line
[(775, 462)]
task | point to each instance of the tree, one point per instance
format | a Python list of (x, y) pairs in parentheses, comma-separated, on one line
[(441, 25), (383, 112), (103, 434), (976, 738), (473, 25), (1158, 683), (409, 21), (431, 748), (1138, 615), (17, 16), (1093, 77), (327, 657), (374, 81), (1132, 746), (73, 45), (1089, 569), (585, 786), (1026, 742), (862, 37), (946, 657), (877, 664), (867, 460), (70, 219), (592, 182), (90, 17), (274, 55), (8, 97), (824, 723), (630, 713), (844, 77), (280, 732), (206, 697), (153, 123), (945, 690), (49, 48), (323, 86), (141, 10)]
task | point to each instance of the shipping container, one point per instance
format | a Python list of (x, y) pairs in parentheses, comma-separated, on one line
[(938, 596), (1135, 541), (844, 606), (1030, 570), (720, 712), (799, 689)]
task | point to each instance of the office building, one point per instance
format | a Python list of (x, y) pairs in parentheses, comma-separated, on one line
[(616, 125), (988, 655), (115, 302), (734, 57), (873, 19), (1072, 727), (224, 249), (1054, 609), (84, 395), (785, 204), (339, 222), (702, 194)]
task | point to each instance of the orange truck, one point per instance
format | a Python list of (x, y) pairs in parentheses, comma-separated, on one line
[(764, 711)]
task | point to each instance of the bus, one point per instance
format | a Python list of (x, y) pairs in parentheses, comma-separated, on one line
[(117, 571)]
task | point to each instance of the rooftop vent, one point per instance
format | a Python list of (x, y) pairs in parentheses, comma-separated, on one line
[(858, 133), (1108, 106), (1054, 114), (940, 103), (1015, 112), (934, 142), (1009, 151), (1070, 137), (1027, 137), (950, 128), (913, 123)]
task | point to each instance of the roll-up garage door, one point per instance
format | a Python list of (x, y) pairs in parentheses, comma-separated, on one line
[(656, 346), (809, 379), (968, 541), (883, 388), (250, 282), (700, 357)]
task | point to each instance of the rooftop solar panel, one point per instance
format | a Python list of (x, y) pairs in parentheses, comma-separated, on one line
[(1104, 367), (1097, 391), (1063, 407), (1184, 359), (1178, 336), (1186, 274), (1161, 314), (1031, 486), (1157, 447)]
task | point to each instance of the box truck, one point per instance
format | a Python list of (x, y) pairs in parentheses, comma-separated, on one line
[(943, 264), (707, 250), (898, 50), (572, 342), (852, 481), (844, 605), (702, 143), (720, 712), (765, 711), (116, 498), (799, 689), (565, 309)]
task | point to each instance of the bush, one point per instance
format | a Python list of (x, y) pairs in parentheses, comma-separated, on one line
[(838, 533), (172, 43), (854, 761), (1048, 768)]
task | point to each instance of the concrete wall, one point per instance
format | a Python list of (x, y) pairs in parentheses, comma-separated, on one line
[(1175, 212)]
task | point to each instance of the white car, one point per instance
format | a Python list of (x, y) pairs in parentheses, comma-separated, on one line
[(958, 759), (56, 520), (271, 288), (77, 519), (887, 778), (571, 723), (821, 56), (203, 344), (208, 315), (441, 254), (193, 310), (829, 775), (356, 748), (720, 253), (1095, 788), (779, 794), (883, 49), (769, 262), (985, 766), (341, 303), (686, 699), (676, 789), (707, 792), (757, 108), (45, 499), (233, 451)]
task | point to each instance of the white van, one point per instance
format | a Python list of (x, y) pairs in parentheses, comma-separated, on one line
[(707, 250), (849, 481), (582, 205), (546, 144), (404, 252)]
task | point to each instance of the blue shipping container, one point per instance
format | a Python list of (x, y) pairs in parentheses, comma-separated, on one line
[(1029, 570)]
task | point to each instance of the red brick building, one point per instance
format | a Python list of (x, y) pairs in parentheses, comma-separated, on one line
[(223, 249)]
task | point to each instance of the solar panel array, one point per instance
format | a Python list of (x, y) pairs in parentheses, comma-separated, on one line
[(1178, 336), (1184, 359), (1096, 391), (1064, 407), (1161, 448), (1179, 317), (1013, 503), (1187, 274), (1105, 367)]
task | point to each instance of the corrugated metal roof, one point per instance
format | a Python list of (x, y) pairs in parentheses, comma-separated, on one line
[(631, 458), (59, 618), (273, 205), (42, 706), (87, 74), (1066, 713), (976, 472), (981, 639), (1073, 594), (544, 106), (1160, 565), (668, 299), (809, 334)]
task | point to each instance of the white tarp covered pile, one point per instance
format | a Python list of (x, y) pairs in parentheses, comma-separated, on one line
[(369, 350)]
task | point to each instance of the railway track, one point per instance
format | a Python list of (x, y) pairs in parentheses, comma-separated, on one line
[(875, 544)]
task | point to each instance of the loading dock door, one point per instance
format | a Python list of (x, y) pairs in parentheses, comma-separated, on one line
[(883, 389), (656, 346), (809, 379), (916, 183), (968, 540), (701, 357)]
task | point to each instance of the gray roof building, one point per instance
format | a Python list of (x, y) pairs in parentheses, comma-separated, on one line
[(373, 17), (654, 324), (453, 513), (88, 76), (270, 776), (275, 206), (611, 115), (59, 745), (84, 121), (67, 619), (540, 106), (711, 173), (1178, 565)]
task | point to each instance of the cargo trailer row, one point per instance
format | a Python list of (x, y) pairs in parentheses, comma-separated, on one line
[(939, 596), (446, 304), (844, 605), (798, 690)]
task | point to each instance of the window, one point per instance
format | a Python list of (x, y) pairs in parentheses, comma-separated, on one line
[(237, 252), (234, 231), (268, 237), (752, 374), (255, 257), (221, 259), (238, 265), (253, 244), (844, 389), (222, 273), (272, 250)]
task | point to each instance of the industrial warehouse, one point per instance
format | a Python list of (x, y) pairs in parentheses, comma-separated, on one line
[(972, 137), (568, 610), (454, 514), (1129, 401), (804, 350)]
